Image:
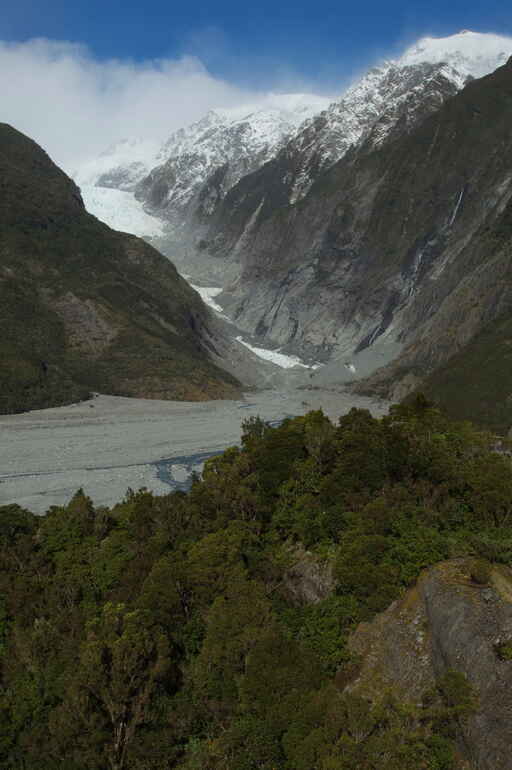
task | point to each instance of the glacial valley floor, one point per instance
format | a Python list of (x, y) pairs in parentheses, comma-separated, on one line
[(109, 444)]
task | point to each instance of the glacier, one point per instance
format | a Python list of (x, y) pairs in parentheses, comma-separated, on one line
[(121, 211)]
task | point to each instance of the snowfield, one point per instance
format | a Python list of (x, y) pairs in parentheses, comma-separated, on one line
[(472, 54)]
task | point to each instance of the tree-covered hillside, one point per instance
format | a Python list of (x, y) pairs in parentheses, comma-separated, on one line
[(477, 381), (83, 307), (209, 629)]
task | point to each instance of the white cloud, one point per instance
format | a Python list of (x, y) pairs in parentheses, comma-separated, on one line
[(75, 105)]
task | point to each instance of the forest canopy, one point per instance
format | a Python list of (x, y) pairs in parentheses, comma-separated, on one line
[(173, 631)]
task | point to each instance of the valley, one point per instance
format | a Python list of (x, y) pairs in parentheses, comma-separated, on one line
[(108, 444), (324, 274), (256, 419)]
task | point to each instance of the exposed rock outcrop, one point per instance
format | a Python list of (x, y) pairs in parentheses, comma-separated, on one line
[(400, 249), (309, 579), (447, 621)]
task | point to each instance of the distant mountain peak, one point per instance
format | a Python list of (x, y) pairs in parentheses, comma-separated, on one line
[(471, 53)]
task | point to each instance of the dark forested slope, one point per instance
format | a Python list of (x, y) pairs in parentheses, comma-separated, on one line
[(217, 629), (83, 307)]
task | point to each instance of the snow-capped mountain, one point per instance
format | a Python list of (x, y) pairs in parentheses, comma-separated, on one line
[(472, 54), (404, 89), (263, 126), (386, 103), (372, 106), (401, 248), (204, 160), (196, 165), (300, 135)]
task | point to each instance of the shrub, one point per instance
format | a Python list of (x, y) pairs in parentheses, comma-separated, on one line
[(481, 572), (504, 650)]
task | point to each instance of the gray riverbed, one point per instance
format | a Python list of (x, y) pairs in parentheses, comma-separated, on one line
[(110, 444)]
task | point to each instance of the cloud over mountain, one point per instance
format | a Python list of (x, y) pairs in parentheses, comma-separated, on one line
[(75, 105)]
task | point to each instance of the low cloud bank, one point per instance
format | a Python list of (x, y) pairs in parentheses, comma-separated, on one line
[(75, 105)]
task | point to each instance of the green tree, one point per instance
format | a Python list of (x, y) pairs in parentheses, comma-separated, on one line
[(124, 661)]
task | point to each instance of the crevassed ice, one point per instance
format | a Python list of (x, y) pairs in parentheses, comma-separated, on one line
[(120, 210)]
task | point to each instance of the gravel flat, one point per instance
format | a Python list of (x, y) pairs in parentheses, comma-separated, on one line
[(110, 444)]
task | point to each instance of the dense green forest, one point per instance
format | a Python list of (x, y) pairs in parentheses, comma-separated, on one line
[(163, 633)]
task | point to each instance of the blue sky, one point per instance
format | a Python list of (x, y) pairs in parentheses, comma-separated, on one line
[(320, 40)]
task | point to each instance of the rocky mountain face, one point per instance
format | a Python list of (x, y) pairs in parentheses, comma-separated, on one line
[(400, 251), (460, 304), (200, 163), (447, 622), (375, 231), (299, 137), (390, 98), (385, 104), (85, 308)]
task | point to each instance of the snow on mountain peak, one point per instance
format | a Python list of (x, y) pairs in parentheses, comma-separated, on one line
[(393, 90), (293, 108), (264, 124), (471, 53), (237, 140), (242, 137), (199, 163)]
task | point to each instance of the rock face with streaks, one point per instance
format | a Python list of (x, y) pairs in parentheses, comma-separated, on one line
[(400, 251), (447, 621), (345, 263)]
